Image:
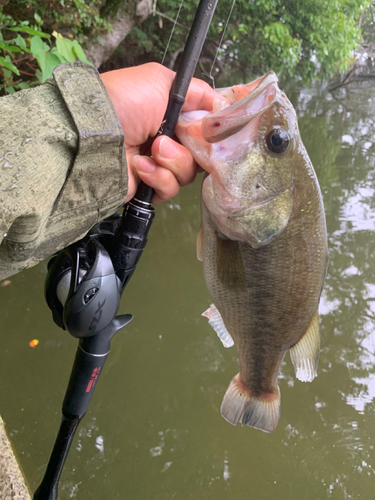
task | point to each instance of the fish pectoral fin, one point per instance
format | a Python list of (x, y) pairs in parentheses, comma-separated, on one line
[(200, 244), (305, 354), (241, 406), (217, 323)]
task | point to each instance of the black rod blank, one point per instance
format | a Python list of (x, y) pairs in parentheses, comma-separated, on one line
[(184, 75)]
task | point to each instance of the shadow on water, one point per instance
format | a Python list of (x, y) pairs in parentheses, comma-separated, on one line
[(154, 430)]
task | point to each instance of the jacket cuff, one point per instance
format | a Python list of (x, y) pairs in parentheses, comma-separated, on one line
[(98, 179)]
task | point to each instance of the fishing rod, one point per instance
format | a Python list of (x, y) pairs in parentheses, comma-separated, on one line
[(86, 280)]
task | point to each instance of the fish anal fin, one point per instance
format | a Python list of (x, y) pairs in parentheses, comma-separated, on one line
[(240, 405), (217, 323), (230, 269), (200, 244), (305, 354)]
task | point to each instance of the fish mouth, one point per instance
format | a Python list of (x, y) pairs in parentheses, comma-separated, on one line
[(227, 122)]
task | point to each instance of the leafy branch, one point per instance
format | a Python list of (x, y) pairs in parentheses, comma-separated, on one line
[(31, 54)]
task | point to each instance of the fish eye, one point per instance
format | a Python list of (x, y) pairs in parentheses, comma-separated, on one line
[(278, 140)]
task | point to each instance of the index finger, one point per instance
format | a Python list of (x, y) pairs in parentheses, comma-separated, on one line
[(200, 96)]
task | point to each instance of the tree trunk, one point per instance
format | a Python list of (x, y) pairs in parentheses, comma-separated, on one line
[(122, 15)]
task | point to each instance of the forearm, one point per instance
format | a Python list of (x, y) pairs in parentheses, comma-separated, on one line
[(63, 165)]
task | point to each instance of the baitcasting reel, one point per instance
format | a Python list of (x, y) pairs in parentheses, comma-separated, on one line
[(85, 281), (82, 288)]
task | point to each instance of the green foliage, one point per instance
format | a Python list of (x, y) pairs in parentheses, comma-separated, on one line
[(28, 52), (299, 39), (295, 38), (80, 16)]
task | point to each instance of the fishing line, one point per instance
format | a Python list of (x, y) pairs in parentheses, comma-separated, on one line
[(219, 47), (172, 31)]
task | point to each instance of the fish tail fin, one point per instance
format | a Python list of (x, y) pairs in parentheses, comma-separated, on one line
[(240, 405)]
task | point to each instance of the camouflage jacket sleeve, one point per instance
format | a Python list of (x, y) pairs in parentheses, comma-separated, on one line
[(62, 165)]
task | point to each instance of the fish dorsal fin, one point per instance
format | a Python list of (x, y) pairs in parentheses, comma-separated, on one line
[(305, 354), (230, 269), (200, 244), (217, 323)]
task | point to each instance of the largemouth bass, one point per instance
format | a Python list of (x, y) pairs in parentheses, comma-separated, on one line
[(263, 241)]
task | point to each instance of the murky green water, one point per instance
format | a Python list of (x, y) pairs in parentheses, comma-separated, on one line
[(153, 430)]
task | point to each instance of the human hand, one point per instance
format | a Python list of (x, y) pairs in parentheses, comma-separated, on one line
[(140, 96)]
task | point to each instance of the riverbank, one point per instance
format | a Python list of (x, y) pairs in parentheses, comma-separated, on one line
[(12, 483)]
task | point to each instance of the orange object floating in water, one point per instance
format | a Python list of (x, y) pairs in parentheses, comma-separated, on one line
[(33, 343)]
